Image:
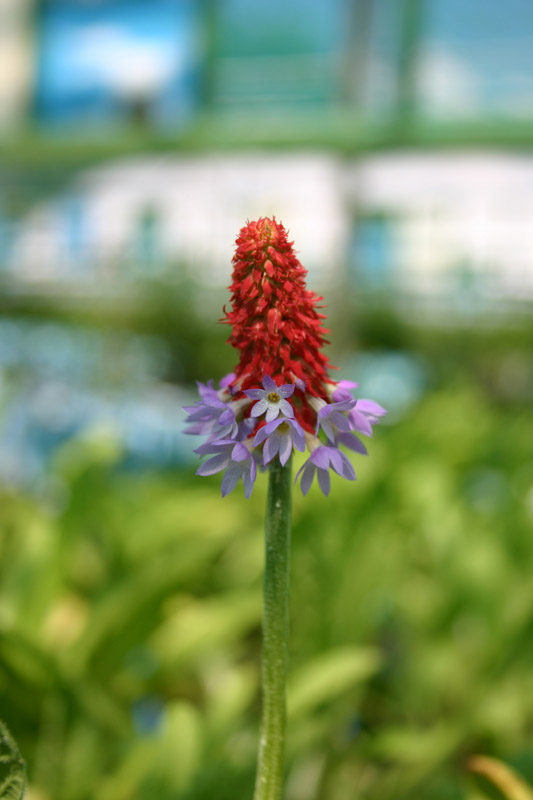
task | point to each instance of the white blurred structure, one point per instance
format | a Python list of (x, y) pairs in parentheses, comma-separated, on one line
[(453, 212), (445, 218), (196, 208), (16, 62)]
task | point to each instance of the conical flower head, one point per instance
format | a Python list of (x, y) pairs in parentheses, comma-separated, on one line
[(276, 325), (280, 396)]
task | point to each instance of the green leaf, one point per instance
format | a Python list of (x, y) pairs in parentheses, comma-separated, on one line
[(12, 767), (328, 676)]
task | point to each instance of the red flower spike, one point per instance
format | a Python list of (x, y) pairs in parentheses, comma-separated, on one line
[(281, 334)]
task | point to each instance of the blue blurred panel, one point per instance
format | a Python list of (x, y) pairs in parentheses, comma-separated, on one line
[(62, 381), (147, 245), (75, 234), (271, 53), (115, 60), (382, 44), (477, 58), (372, 253), (6, 240)]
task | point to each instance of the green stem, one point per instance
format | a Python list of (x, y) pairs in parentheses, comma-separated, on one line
[(269, 781)]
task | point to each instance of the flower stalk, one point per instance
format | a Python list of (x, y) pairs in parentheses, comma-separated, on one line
[(274, 660), (279, 398)]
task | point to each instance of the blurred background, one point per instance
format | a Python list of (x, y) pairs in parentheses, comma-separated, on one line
[(394, 139)]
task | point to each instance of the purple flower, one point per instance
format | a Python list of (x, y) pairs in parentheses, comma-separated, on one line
[(246, 427), (321, 461), (226, 383), (234, 458), (365, 414), (272, 399), (342, 390), (211, 416), (371, 410), (280, 436), (239, 470), (227, 380), (331, 416), (351, 441), (206, 390), (224, 417)]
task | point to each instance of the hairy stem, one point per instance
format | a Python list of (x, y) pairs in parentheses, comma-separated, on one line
[(269, 781)]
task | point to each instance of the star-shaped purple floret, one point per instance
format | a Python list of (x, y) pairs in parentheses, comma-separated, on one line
[(333, 416), (364, 414), (272, 399), (342, 390), (234, 458), (321, 461), (280, 436), (211, 416)]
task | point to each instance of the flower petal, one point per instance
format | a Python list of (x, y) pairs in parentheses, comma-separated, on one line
[(335, 457), (286, 390), (227, 417), (261, 435), (213, 465), (274, 424), (226, 380), (285, 449), (324, 481), (297, 435), (254, 394), (286, 408), (259, 408), (347, 470), (370, 407), (307, 477), (359, 422), (248, 479), (340, 421), (351, 441), (328, 430), (230, 480), (268, 384), (273, 411), (347, 384), (271, 448), (240, 452), (320, 457)]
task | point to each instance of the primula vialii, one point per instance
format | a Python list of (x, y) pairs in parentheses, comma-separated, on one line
[(280, 396)]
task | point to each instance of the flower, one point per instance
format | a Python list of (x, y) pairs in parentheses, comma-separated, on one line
[(319, 462), (280, 436), (365, 414), (234, 458), (211, 416), (330, 416), (278, 332), (351, 441), (272, 399), (342, 390), (372, 411)]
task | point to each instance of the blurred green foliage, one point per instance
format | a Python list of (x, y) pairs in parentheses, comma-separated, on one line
[(12, 767), (130, 619)]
